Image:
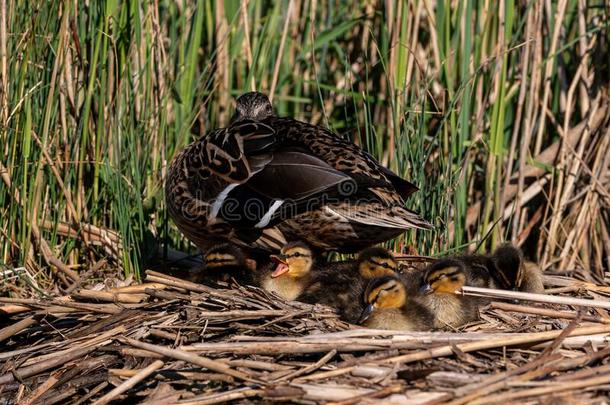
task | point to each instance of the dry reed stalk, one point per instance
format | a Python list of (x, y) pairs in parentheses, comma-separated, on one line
[(448, 350), (15, 328), (41, 389), (280, 52), (240, 393), (243, 6), (549, 299), (130, 383), (552, 389), (551, 313), (191, 358)]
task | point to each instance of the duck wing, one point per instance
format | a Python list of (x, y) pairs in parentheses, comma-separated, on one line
[(402, 186), (377, 214), (235, 153), (289, 183), (341, 154), (294, 175)]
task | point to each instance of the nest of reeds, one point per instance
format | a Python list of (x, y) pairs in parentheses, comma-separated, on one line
[(173, 341)]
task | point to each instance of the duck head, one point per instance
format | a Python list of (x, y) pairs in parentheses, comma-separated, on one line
[(254, 106), (387, 292), (443, 276), (376, 262), (295, 261)]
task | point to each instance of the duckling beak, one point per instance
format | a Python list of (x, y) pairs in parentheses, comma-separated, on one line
[(366, 312), (426, 289), (282, 266)]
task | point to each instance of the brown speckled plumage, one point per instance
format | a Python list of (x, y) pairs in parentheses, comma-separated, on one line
[(309, 184)]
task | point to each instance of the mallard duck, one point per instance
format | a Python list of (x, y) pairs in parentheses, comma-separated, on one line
[(225, 261), (291, 272), (387, 306), (340, 285), (513, 272), (264, 180), (440, 282)]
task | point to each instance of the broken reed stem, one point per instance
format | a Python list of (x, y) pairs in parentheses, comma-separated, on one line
[(240, 393), (551, 313), (517, 295), (189, 357), (551, 389), (309, 368), (34, 369), (107, 296), (384, 392), (15, 328), (523, 338), (130, 383), (448, 350)]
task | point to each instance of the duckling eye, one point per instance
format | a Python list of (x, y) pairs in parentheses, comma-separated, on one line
[(385, 265)]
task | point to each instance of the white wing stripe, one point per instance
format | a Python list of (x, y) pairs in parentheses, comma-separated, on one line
[(222, 196), (267, 217)]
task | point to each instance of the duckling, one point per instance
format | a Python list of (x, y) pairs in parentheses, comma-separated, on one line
[(292, 272), (225, 261), (440, 282), (340, 285), (311, 184), (515, 272), (388, 307)]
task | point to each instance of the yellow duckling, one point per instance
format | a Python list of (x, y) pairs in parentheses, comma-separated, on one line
[(440, 281), (292, 272), (387, 307), (340, 285), (225, 261)]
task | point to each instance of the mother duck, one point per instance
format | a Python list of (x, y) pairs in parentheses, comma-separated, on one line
[(265, 180)]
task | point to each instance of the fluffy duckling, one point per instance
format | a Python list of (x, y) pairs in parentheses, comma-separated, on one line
[(440, 281), (225, 261), (291, 274), (514, 272), (388, 307), (376, 262), (340, 285)]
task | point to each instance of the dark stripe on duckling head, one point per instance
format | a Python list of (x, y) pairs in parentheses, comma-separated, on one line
[(442, 268), (383, 262), (224, 255), (375, 252), (220, 260), (385, 292), (296, 249), (376, 262), (446, 273), (444, 276)]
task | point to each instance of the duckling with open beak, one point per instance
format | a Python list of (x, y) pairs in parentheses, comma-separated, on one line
[(291, 273)]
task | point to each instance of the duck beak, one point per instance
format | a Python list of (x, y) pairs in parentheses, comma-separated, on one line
[(426, 289), (282, 266), (366, 312)]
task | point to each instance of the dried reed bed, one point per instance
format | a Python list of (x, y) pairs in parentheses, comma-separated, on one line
[(173, 341), (496, 110)]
